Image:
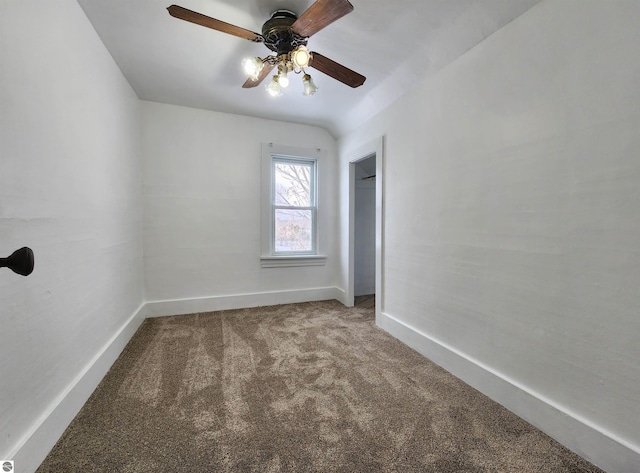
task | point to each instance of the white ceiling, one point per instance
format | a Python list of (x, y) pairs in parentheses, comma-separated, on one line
[(390, 42)]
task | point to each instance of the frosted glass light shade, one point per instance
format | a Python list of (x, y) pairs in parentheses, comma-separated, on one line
[(252, 67), (300, 57), (309, 87), (273, 87)]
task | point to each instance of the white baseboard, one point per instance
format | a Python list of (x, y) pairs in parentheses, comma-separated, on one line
[(240, 301), (602, 448), (341, 296), (36, 444), (590, 441)]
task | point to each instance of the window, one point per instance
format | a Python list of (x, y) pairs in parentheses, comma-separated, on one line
[(293, 196), (290, 207)]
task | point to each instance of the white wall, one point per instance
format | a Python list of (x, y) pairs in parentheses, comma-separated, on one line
[(202, 190), (70, 188), (512, 224)]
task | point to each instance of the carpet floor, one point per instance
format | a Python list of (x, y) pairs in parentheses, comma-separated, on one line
[(312, 387)]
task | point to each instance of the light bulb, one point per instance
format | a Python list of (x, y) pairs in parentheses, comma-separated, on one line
[(283, 80), (283, 68), (309, 87), (273, 87), (252, 67)]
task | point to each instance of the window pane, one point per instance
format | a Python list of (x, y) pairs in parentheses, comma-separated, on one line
[(292, 184), (293, 230)]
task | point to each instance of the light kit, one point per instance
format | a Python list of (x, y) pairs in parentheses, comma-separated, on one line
[(294, 61)]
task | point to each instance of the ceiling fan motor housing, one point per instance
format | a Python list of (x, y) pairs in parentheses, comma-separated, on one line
[(278, 35)]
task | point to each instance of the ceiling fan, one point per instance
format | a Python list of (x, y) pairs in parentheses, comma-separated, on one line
[(286, 35)]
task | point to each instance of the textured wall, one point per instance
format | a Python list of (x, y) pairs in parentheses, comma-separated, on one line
[(512, 197), (202, 187), (69, 189)]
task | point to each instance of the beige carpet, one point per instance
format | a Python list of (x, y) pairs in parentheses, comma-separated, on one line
[(312, 387)]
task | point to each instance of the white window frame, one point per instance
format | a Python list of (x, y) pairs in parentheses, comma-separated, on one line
[(270, 258)]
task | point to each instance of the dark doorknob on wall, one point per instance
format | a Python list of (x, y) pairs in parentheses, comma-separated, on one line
[(21, 261)]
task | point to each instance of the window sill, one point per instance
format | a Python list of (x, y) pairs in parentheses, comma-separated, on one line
[(290, 261)]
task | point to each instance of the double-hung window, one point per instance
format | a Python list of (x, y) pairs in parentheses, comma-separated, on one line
[(294, 209), (290, 207)]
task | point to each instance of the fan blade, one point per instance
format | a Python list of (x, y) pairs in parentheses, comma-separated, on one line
[(320, 14), (263, 73), (337, 71), (200, 19)]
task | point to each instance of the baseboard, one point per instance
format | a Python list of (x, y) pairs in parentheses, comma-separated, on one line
[(588, 440), (240, 301), (37, 443), (595, 444), (341, 295)]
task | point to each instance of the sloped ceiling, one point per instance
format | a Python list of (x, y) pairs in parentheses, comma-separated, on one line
[(393, 44)]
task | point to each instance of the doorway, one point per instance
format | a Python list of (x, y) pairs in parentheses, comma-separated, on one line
[(364, 232), (365, 275)]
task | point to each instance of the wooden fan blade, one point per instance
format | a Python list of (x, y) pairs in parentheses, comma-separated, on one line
[(263, 73), (320, 14), (200, 19), (337, 71)]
